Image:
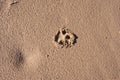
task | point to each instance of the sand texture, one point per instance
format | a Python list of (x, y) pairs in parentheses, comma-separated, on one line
[(34, 45)]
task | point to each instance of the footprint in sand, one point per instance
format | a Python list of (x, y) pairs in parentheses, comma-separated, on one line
[(26, 59), (65, 38), (17, 58)]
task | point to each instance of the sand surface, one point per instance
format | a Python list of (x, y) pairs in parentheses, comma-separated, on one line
[(28, 51)]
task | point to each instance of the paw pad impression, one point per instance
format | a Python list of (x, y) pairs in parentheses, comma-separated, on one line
[(65, 38)]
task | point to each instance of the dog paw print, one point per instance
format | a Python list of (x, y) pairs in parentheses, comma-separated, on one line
[(65, 38)]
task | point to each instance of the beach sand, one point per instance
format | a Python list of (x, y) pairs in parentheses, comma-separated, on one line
[(28, 50)]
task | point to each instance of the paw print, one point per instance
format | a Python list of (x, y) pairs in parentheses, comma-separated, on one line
[(65, 38)]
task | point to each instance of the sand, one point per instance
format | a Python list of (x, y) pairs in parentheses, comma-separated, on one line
[(27, 46)]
